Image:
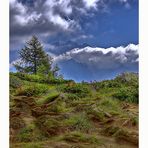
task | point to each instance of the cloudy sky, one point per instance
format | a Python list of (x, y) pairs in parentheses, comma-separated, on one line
[(89, 39)]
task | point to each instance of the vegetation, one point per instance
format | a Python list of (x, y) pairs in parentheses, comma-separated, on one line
[(57, 112)]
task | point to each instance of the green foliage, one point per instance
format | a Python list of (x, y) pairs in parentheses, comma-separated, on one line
[(106, 84), (15, 82), (58, 107), (40, 78), (32, 77), (32, 90), (29, 134), (33, 57), (76, 91), (72, 96), (128, 94)]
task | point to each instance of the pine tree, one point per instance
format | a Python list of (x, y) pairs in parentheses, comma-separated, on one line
[(33, 58)]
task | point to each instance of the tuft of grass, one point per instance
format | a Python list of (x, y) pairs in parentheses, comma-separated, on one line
[(79, 122), (51, 96), (80, 137), (58, 107), (29, 134)]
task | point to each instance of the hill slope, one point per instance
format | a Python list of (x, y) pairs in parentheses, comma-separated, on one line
[(57, 113)]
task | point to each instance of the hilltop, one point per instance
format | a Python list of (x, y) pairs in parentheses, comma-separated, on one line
[(58, 113)]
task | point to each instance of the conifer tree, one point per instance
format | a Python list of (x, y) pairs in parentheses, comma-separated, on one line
[(33, 58)]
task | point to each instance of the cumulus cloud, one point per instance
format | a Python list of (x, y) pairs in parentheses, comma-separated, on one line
[(101, 58)]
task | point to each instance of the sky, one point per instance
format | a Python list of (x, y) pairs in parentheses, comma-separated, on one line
[(88, 39)]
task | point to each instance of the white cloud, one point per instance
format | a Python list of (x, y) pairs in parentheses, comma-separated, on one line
[(91, 3), (102, 58)]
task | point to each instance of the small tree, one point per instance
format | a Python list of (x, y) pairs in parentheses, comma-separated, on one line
[(33, 58)]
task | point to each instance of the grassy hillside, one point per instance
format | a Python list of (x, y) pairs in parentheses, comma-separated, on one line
[(56, 113)]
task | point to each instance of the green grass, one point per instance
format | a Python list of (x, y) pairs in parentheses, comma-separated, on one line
[(76, 114), (51, 96), (79, 122), (80, 137), (32, 90)]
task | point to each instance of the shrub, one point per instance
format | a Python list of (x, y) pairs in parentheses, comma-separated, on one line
[(72, 97), (33, 90), (129, 94), (106, 84), (76, 90), (32, 77), (41, 78)]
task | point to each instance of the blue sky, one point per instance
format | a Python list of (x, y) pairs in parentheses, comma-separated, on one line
[(64, 25)]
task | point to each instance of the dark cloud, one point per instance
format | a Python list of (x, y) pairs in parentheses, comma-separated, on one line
[(48, 17)]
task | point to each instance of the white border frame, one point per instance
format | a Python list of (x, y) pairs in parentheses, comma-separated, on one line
[(4, 74)]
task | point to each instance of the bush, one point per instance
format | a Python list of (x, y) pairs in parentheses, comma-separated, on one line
[(32, 77), (76, 90), (41, 78), (106, 84), (72, 97), (33, 90), (129, 94)]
